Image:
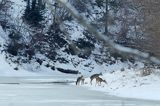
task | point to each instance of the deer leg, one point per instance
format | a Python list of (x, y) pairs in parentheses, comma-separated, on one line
[(91, 82), (99, 83)]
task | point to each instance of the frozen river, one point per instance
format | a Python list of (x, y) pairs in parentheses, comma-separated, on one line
[(42, 91)]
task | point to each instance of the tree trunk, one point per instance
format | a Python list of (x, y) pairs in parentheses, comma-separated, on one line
[(106, 19)]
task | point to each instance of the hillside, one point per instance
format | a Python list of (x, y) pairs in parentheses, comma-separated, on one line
[(40, 39)]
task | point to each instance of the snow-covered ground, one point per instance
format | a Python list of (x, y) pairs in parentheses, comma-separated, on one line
[(129, 83), (31, 94)]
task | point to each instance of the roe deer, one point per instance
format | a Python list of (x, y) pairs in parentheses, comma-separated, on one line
[(80, 80), (94, 76), (100, 80)]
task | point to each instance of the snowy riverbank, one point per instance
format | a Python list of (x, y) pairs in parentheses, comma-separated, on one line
[(129, 83)]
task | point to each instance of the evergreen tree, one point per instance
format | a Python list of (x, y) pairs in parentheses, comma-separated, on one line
[(33, 14)]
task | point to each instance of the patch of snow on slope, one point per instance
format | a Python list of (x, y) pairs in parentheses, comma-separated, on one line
[(7, 69), (17, 8), (75, 30), (2, 36)]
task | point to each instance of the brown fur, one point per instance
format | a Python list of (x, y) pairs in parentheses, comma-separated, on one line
[(80, 80), (100, 80), (94, 76)]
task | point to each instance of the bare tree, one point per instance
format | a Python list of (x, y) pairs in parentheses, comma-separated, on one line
[(149, 11), (124, 50)]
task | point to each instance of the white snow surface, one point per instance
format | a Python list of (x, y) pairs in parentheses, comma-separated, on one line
[(128, 83)]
